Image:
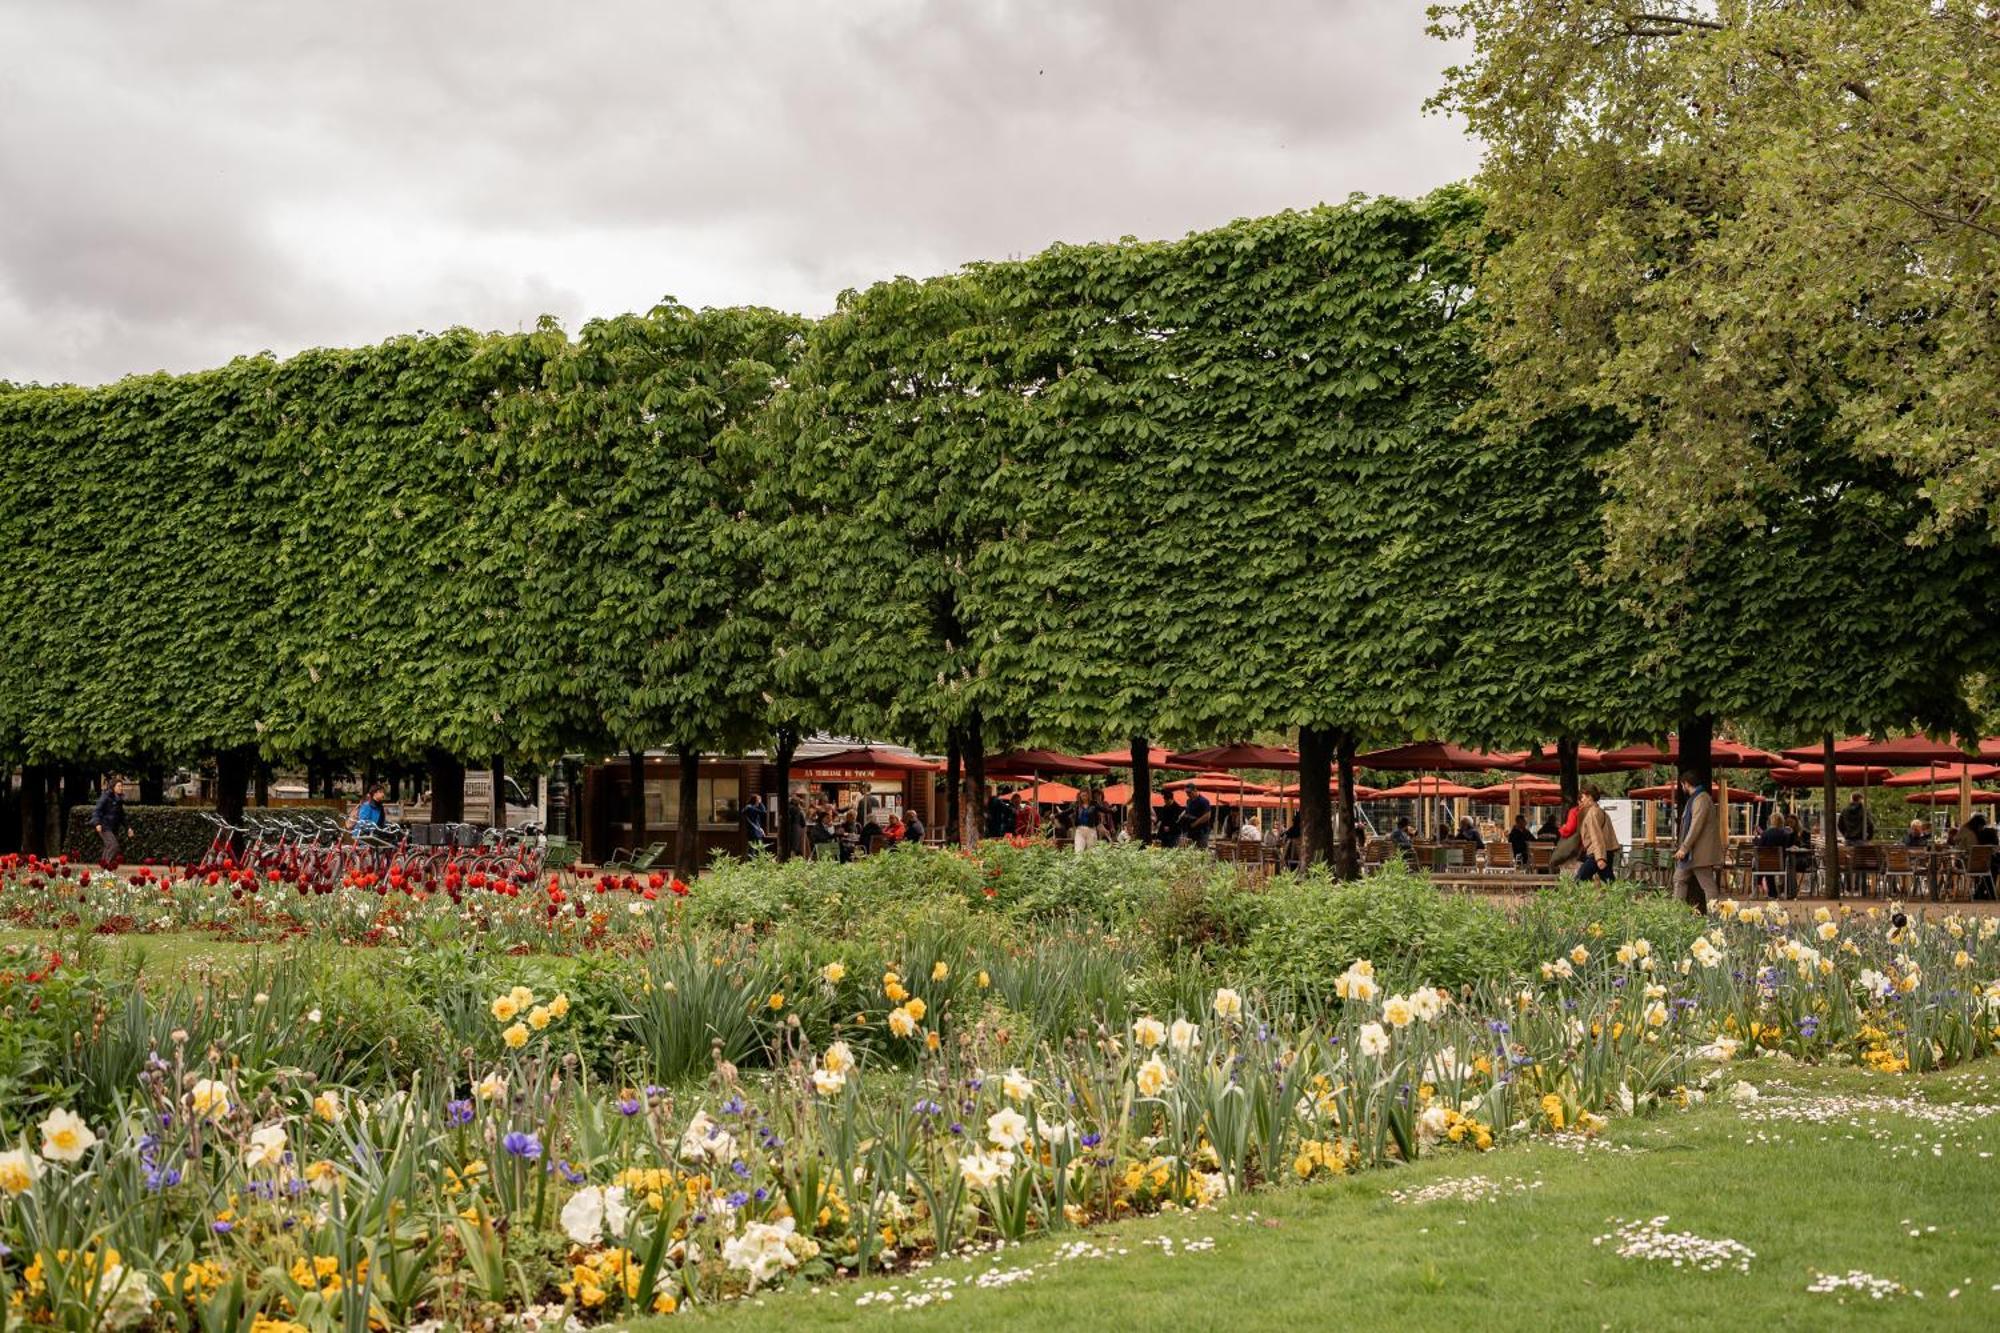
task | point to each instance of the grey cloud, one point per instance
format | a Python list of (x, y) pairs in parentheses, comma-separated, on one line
[(188, 181)]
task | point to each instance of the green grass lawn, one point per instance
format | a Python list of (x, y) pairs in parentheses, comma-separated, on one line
[(166, 952), (1871, 1188)]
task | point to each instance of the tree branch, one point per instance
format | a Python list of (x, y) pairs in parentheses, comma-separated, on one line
[(1671, 21), (1889, 192)]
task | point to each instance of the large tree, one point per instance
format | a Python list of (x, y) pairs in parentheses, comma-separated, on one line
[(669, 647), (1725, 219)]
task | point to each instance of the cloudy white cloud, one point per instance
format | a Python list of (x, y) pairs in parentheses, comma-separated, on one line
[(186, 180)]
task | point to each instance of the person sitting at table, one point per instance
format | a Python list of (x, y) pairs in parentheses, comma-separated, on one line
[(1551, 829), (1919, 834), (1979, 833), (1780, 836), (1468, 831), (1400, 835), (1520, 840), (869, 838), (1250, 830)]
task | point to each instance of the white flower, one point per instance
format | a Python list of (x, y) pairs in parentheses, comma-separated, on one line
[(1016, 1086), (267, 1147), (983, 1170), (1373, 1040), (1431, 1124), (705, 1139), (1428, 1002), (1705, 953), (1398, 1012), (65, 1138), (1051, 1134), (590, 1210), (1183, 1036), (1228, 1004), (826, 1082), (1007, 1128), (312, 1016), (210, 1098), (18, 1171), (839, 1058), (1357, 982), (763, 1250), (491, 1088), (1154, 1077), (125, 1297), (1743, 1093)]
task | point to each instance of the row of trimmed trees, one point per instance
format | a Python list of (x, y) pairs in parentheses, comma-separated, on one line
[(1239, 483)]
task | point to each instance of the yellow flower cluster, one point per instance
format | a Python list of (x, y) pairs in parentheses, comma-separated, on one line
[(321, 1273), (195, 1282), (1321, 1157), (1461, 1128), (594, 1278), (519, 1009)]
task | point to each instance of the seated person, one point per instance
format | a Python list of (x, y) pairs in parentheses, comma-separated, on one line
[(1400, 835), (1519, 840), (1551, 829), (1919, 834), (1250, 830), (1468, 831)]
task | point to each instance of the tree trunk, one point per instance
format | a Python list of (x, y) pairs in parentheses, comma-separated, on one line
[(788, 744), (262, 777), (152, 785), (974, 746), (1572, 781), (35, 809), (1347, 855), (233, 770), (635, 796), (499, 792), (1315, 796), (1141, 809), (447, 787), (953, 764), (687, 847), (1829, 794), (75, 791), (1697, 732)]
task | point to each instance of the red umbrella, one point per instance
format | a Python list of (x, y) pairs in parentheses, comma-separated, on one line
[(1120, 793), (1235, 756), (1361, 793), (1155, 756), (1951, 795), (1671, 792), (1428, 787), (1900, 750), (1813, 776), (1034, 763), (1721, 754), (1927, 777), (1429, 757), (1587, 761), (1046, 793), (1525, 788), (867, 756), (1215, 782)]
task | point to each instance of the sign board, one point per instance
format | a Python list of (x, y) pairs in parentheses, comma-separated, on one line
[(1622, 815)]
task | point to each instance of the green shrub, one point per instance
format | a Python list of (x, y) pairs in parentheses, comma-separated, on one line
[(1312, 929), (1566, 914)]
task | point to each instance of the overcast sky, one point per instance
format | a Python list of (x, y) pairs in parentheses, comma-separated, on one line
[(184, 181)]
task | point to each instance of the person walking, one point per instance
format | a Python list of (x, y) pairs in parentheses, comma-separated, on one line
[(370, 815), (753, 824), (108, 818), (1084, 836), (1699, 855), (1600, 840)]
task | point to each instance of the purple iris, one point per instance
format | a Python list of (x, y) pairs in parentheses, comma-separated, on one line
[(522, 1145), (737, 1198), (458, 1112), (570, 1173), (629, 1106)]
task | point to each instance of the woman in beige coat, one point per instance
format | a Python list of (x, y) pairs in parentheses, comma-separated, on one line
[(1599, 838)]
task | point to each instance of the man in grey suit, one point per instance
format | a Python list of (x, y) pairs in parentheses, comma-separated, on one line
[(1700, 855)]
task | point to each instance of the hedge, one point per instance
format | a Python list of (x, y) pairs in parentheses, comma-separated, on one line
[(171, 834)]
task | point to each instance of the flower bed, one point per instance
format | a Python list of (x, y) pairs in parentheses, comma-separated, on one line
[(699, 1112)]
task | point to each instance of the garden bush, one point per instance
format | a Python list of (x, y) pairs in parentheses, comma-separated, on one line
[(1312, 928)]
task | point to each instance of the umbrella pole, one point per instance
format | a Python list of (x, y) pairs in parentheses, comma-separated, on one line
[(1964, 795)]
